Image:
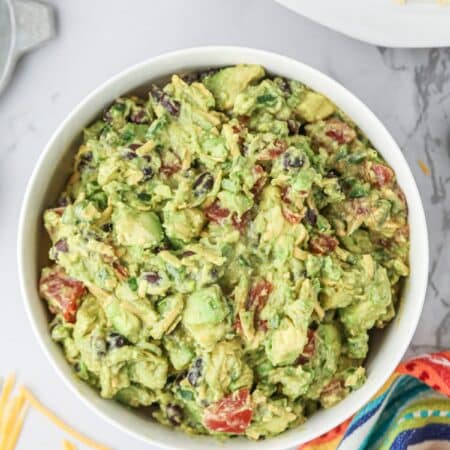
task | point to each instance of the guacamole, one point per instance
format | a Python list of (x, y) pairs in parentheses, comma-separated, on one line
[(221, 252)]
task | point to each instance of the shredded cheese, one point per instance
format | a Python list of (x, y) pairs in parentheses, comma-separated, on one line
[(13, 411), (424, 167), (68, 445), (6, 392), (16, 428), (34, 402)]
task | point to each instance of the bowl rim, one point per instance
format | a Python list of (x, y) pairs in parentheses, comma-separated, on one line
[(299, 434)]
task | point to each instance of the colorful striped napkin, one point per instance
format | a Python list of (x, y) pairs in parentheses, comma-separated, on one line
[(410, 412)]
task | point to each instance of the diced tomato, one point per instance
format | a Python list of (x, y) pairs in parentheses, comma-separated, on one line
[(362, 210), (309, 349), (322, 244), (232, 414), (215, 213), (290, 216), (60, 210), (332, 387), (339, 131), (121, 271), (400, 195), (62, 292), (383, 175), (238, 325), (258, 295), (285, 194), (402, 234), (385, 243), (261, 178), (244, 120), (262, 325), (170, 164), (240, 223), (169, 169), (278, 148)]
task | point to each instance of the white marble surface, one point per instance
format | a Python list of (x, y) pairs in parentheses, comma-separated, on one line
[(408, 90)]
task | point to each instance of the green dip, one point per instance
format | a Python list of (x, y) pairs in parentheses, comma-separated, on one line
[(222, 251)]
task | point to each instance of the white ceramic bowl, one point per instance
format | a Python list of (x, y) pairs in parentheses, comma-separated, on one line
[(49, 176)]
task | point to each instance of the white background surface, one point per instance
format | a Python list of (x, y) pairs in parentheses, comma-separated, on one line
[(408, 90)]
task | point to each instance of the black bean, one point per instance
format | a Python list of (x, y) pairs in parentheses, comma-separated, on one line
[(203, 183), (311, 217), (148, 173), (195, 372), (84, 161), (139, 117), (174, 414), (130, 155), (143, 196), (63, 200), (152, 277), (293, 127), (198, 363), (284, 86), (99, 345), (193, 376), (115, 340), (214, 274), (62, 246), (107, 116), (332, 174), (107, 227), (291, 161), (190, 78), (161, 248), (172, 106), (187, 253), (171, 378), (134, 146), (87, 156), (207, 73)]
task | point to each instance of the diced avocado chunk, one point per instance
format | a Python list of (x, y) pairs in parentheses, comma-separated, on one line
[(315, 106), (126, 365), (285, 343), (170, 314), (204, 315), (125, 322), (136, 396), (184, 224), (226, 370), (226, 84), (133, 227), (205, 306), (180, 353), (235, 202), (362, 315), (294, 381)]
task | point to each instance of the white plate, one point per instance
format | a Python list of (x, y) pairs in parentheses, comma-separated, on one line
[(416, 23)]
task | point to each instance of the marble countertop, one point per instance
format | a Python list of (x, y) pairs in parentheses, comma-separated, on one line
[(409, 90)]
